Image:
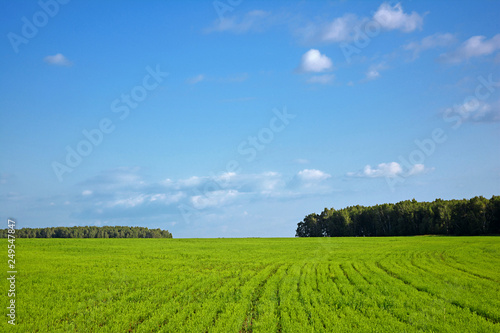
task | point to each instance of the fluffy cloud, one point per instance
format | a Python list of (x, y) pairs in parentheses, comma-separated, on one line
[(309, 182), (349, 27), (388, 170), (475, 46), (58, 60), (383, 170), (195, 205), (393, 18), (345, 28), (312, 175), (123, 193), (314, 61), (430, 42)]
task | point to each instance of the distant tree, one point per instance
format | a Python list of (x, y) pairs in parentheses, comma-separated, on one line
[(89, 232), (476, 216)]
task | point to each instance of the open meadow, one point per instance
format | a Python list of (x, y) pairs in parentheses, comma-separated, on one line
[(392, 284)]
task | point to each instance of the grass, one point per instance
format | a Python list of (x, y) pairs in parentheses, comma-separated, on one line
[(393, 284)]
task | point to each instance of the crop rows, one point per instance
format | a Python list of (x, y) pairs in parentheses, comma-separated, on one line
[(414, 284)]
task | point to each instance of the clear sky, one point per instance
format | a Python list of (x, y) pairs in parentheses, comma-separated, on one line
[(237, 118)]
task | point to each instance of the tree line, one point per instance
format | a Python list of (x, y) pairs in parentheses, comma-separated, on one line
[(89, 232), (476, 216)]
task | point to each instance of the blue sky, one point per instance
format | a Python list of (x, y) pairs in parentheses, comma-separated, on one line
[(238, 118)]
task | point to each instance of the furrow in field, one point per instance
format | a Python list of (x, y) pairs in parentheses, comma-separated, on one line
[(252, 315), (303, 289), (328, 304), (463, 290), (293, 317), (177, 309), (175, 298), (334, 279), (411, 284), (357, 271), (310, 295), (213, 303), (105, 301), (346, 275), (168, 299), (475, 284), (468, 271), (357, 307), (267, 308), (372, 295), (427, 284), (471, 273), (236, 309), (421, 309)]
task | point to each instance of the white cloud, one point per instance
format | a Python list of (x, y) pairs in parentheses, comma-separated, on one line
[(340, 29), (350, 27), (131, 201), (58, 60), (247, 183), (393, 18), (212, 199), (314, 61), (190, 182), (475, 46), (430, 42), (256, 20), (372, 74), (196, 79), (321, 79), (86, 192), (308, 182), (374, 71), (312, 175), (388, 170), (114, 197), (475, 111), (416, 169), (391, 169)]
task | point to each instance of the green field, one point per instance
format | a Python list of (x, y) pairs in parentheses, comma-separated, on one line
[(393, 284)]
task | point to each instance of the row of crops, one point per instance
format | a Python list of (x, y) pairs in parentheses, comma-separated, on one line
[(405, 284)]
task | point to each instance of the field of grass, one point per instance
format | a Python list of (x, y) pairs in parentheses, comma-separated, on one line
[(393, 284)]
